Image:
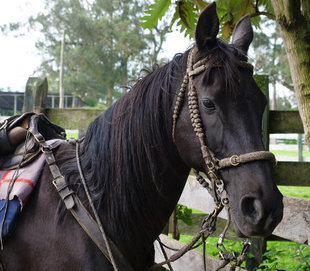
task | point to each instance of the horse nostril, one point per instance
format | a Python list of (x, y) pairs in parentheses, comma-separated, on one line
[(252, 209)]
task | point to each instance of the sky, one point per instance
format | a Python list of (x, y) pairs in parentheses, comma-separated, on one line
[(19, 57)]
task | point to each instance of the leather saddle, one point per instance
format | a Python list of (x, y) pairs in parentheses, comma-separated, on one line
[(20, 136)]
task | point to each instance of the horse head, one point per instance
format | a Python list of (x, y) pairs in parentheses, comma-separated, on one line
[(218, 115)]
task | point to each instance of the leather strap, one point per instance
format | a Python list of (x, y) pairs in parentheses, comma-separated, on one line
[(89, 225), (5, 144), (235, 160), (79, 212)]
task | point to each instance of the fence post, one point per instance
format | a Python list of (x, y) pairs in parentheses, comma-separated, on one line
[(35, 96), (258, 244)]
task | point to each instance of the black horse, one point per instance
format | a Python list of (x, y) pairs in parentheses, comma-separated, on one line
[(136, 158)]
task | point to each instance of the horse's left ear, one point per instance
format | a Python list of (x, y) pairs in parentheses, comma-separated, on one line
[(243, 34), (207, 27)]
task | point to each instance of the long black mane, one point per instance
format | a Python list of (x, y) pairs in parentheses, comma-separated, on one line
[(128, 150)]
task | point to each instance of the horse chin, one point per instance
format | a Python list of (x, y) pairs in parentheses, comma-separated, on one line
[(244, 230)]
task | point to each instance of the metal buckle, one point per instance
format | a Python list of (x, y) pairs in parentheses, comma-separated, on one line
[(55, 179), (4, 124), (37, 139), (234, 163), (54, 183), (210, 165)]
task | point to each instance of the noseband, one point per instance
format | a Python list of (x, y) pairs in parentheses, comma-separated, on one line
[(211, 161)]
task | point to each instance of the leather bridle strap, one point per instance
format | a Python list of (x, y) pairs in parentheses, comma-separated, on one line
[(78, 210), (236, 160), (212, 162)]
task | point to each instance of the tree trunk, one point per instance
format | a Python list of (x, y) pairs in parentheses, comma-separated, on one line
[(109, 97), (293, 18)]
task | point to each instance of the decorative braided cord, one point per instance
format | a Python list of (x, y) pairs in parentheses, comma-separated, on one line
[(235, 160), (195, 117), (213, 184)]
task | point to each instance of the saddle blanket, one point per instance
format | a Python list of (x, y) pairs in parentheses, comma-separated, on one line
[(25, 180)]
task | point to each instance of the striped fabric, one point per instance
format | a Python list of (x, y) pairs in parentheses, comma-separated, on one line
[(27, 177)]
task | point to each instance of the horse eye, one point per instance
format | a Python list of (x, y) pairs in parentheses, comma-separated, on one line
[(208, 104)]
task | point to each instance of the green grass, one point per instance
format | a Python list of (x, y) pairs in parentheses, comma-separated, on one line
[(72, 135), (288, 256), (284, 255), (290, 153), (295, 191), (211, 244)]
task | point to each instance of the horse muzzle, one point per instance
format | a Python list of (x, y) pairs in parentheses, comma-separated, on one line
[(257, 217)]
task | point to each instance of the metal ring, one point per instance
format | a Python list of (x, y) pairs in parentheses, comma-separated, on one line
[(210, 165), (4, 124), (232, 162)]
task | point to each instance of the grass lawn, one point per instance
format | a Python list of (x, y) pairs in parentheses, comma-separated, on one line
[(295, 191), (72, 135), (290, 153), (284, 255)]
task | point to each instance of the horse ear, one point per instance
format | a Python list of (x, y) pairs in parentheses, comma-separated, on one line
[(207, 27), (243, 34)]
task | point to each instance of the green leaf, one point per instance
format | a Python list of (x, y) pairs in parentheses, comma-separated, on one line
[(201, 4), (186, 17), (154, 13), (185, 214)]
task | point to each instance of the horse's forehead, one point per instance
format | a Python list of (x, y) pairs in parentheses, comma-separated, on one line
[(243, 91)]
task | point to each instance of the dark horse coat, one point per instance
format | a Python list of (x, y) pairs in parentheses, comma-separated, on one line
[(136, 172)]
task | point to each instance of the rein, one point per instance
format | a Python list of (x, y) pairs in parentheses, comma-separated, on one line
[(213, 183)]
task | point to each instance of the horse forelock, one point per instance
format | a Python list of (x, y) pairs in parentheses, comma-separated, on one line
[(225, 58)]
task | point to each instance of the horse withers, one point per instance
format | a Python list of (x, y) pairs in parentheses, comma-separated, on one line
[(136, 158)]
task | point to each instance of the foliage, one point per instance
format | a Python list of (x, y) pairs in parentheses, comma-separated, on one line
[(270, 56), (186, 13), (280, 256), (155, 12), (103, 44), (286, 256), (185, 214)]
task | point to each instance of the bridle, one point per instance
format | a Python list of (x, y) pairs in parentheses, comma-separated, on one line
[(214, 165), (213, 183)]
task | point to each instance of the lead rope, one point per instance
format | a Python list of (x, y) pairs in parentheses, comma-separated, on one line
[(104, 236)]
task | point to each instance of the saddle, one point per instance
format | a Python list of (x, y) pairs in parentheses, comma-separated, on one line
[(20, 136), (20, 139)]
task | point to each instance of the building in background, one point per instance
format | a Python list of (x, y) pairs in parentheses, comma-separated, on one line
[(11, 103)]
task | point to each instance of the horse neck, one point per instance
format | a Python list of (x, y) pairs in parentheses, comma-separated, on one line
[(136, 195)]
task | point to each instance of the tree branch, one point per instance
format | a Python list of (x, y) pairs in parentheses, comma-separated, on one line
[(264, 13), (259, 13)]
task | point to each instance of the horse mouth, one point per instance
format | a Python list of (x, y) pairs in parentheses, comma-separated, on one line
[(264, 228)]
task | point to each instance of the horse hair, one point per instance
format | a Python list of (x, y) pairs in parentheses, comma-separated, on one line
[(127, 148)]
